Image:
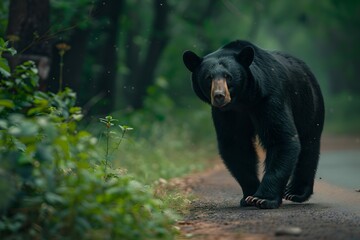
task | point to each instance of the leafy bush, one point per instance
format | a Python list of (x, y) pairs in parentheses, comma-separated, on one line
[(52, 179)]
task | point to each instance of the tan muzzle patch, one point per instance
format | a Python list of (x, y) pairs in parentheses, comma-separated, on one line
[(220, 95)]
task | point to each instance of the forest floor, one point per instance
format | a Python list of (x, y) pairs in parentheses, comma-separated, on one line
[(332, 213)]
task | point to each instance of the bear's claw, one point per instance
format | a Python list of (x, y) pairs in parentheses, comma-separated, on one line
[(261, 203), (289, 197), (298, 194)]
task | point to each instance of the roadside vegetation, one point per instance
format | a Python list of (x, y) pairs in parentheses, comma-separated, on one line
[(61, 182)]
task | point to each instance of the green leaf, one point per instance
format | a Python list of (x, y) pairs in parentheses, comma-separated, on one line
[(77, 117), (7, 103), (19, 145), (3, 124), (54, 198), (12, 51), (126, 128), (75, 110), (4, 68)]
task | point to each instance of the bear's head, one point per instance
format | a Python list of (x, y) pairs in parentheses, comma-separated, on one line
[(218, 77)]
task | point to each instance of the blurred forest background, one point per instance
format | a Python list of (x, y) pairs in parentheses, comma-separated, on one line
[(126, 55)]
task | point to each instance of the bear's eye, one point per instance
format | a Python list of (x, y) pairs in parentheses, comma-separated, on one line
[(227, 76)]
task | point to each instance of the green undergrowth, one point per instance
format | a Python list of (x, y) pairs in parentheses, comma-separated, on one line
[(170, 149), (162, 146), (55, 181)]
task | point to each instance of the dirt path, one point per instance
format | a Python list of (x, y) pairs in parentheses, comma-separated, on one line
[(332, 212)]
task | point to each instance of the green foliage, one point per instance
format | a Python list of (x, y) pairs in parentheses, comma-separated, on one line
[(17, 91), (55, 187), (4, 68)]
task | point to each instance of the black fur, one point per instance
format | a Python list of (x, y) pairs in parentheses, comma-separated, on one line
[(274, 96)]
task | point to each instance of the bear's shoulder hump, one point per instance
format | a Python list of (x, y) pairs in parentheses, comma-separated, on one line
[(237, 45)]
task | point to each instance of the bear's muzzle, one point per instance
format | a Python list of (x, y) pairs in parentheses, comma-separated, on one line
[(220, 95)]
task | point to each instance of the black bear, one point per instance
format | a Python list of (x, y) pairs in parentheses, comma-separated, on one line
[(270, 94)]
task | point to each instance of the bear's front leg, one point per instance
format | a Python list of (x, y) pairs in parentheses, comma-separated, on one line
[(241, 160), (278, 134), (279, 165), (281, 157), (235, 141)]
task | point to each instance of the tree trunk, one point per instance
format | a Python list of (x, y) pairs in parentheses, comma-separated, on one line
[(101, 88), (109, 57), (27, 31), (210, 11), (141, 74)]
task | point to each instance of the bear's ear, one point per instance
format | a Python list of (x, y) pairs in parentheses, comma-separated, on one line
[(191, 60), (246, 56)]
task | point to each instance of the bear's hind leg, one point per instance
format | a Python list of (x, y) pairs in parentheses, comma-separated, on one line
[(301, 184)]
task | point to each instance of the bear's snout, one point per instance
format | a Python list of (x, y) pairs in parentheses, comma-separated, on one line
[(220, 95)]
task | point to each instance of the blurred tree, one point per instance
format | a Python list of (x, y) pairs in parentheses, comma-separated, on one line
[(71, 22), (4, 12), (338, 43), (101, 22), (331, 31), (207, 11), (28, 30), (141, 71), (95, 46), (109, 58)]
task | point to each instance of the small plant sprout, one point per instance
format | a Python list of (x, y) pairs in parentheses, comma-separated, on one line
[(108, 121)]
